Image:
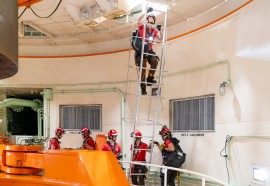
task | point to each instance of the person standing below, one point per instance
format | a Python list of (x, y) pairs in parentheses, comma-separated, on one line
[(88, 142), (139, 154), (54, 142), (166, 149), (112, 145), (152, 32)]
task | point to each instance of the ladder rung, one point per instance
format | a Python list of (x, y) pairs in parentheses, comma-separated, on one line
[(144, 96), (161, 84), (157, 70), (150, 54), (145, 124), (144, 121), (145, 110)]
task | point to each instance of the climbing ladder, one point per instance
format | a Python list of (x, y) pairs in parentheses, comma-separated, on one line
[(146, 107)]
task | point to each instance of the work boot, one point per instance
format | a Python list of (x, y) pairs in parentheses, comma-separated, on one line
[(143, 88), (150, 80)]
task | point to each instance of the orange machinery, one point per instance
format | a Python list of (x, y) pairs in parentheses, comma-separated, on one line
[(29, 166), (27, 3)]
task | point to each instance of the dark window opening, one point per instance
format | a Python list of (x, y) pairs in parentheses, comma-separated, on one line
[(23, 120)]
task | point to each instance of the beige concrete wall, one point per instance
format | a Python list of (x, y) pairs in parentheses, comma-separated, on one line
[(242, 39)]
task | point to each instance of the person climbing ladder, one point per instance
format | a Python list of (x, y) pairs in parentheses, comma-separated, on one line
[(149, 56)]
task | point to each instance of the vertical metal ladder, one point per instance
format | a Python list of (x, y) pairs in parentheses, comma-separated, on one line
[(146, 107)]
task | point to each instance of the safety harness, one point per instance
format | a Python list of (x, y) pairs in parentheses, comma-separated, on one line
[(112, 148), (137, 41)]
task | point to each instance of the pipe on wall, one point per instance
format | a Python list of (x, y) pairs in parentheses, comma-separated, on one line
[(244, 137), (10, 102), (203, 67)]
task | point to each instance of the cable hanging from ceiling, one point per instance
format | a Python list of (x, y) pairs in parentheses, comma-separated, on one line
[(39, 15), (22, 13)]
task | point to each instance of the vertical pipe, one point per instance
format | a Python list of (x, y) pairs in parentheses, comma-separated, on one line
[(165, 176), (39, 123), (46, 113), (122, 121), (203, 181)]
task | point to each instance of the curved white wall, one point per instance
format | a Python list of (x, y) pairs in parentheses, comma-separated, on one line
[(242, 39)]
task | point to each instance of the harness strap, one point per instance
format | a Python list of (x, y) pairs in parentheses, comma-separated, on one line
[(135, 151), (112, 148)]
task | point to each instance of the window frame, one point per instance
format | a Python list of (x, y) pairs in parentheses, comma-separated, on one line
[(76, 127), (171, 111)]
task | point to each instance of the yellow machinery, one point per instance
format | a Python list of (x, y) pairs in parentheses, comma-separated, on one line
[(29, 166)]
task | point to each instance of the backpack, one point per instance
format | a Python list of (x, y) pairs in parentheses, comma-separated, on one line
[(136, 42), (176, 158)]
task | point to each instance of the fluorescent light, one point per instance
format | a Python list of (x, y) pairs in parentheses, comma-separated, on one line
[(100, 19), (158, 7), (133, 3), (259, 174)]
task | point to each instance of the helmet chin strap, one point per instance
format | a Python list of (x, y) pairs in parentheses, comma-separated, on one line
[(58, 135), (151, 23), (112, 138)]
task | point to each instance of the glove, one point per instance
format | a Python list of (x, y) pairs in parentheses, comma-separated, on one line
[(150, 9), (156, 142), (158, 27), (119, 156), (162, 146)]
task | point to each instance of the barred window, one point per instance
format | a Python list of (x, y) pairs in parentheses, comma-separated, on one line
[(79, 116), (193, 114)]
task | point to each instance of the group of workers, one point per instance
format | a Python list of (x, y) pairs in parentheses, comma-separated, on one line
[(88, 141), (139, 149)]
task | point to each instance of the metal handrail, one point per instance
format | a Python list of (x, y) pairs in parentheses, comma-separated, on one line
[(203, 177)]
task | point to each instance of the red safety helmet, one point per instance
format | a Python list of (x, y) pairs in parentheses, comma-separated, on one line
[(60, 130), (165, 131), (85, 131), (153, 16), (112, 132), (136, 133)]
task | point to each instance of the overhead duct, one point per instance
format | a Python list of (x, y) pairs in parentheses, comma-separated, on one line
[(83, 16), (113, 8), (90, 16), (8, 38)]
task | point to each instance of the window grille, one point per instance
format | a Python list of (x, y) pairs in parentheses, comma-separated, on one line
[(79, 116), (193, 114), (29, 31)]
